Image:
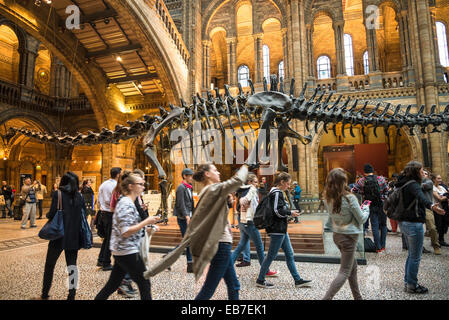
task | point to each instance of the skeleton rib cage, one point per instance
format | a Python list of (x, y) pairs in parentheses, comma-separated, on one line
[(270, 109)]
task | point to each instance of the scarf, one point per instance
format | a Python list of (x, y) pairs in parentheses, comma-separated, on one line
[(187, 185)]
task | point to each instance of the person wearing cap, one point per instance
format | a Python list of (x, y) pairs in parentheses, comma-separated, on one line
[(184, 207), (377, 216)]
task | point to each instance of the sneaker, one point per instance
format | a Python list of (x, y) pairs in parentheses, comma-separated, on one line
[(424, 250), (437, 251), (272, 273), (124, 291), (302, 283), (107, 268), (23, 227), (34, 226), (189, 267), (243, 264), (379, 251), (264, 284), (444, 244), (418, 289)]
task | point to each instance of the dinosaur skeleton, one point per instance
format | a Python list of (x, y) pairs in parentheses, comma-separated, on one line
[(268, 110)]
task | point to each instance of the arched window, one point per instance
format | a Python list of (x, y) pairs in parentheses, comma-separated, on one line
[(266, 62), (243, 74), (442, 44), (349, 59), (324, 67), (281, 70), (366, 62)]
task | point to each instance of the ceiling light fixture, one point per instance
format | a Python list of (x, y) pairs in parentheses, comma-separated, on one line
[(119, 59)]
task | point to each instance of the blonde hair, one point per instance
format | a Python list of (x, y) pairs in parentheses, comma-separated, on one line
[(250, 178), (126, 179)]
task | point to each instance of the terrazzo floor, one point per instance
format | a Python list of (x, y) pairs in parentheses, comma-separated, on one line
[(21, 272)]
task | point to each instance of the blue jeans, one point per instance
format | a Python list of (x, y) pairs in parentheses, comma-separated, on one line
[(378, 221), (249, 231), (279, 241), (414, 235), (221, 267), (183, 227), (246, 250)]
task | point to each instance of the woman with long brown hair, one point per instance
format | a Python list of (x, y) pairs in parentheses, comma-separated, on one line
[(346, 220)]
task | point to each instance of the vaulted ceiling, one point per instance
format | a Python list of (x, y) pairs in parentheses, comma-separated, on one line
[(113, 46)]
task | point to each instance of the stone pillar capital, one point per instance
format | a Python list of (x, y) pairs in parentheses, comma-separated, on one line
[(257, 36), (232, 40), (338, 23)]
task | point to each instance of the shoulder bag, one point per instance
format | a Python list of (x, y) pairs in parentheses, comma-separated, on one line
[(54, 228)]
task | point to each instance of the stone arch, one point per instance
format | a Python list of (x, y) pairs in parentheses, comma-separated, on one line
[(217, 28), (215, 5), (62, 46), (32, 119), (334, 13), (20, 33), (396, 5), (413, 141)]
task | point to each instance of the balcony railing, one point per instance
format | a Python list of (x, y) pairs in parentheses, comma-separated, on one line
[(392, 80), (164, 14), (362, 82), (23, 97)]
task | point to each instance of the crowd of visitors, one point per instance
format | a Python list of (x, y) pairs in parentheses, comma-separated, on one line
[(124, 224)]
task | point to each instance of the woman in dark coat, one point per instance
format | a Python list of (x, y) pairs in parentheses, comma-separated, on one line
[(412, 221), (72, 205)]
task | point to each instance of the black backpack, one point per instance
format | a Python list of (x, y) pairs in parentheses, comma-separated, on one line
[(369, 245), (371, 190), (394, 204), (262, 212)]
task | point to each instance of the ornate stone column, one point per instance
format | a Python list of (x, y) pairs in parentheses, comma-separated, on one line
[(285, 53), (206, 65), (423, 21), (258, 58), (27, 65), (312, 76), (342, 78), (61, 80), (375, 75), (439, 69), (232, 61), (407, 62), (296, 60)]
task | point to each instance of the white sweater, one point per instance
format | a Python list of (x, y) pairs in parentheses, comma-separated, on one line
[(248, 205)]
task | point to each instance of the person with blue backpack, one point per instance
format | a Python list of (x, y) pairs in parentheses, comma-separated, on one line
[(375, 189)]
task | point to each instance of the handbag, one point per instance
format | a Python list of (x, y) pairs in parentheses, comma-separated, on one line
[(22, 201), (54, 228), (85, 232)]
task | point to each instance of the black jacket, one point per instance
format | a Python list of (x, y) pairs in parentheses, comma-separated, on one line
[(72, 207), (410, 193), (183, 203), (277, 221), (6, 191)]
